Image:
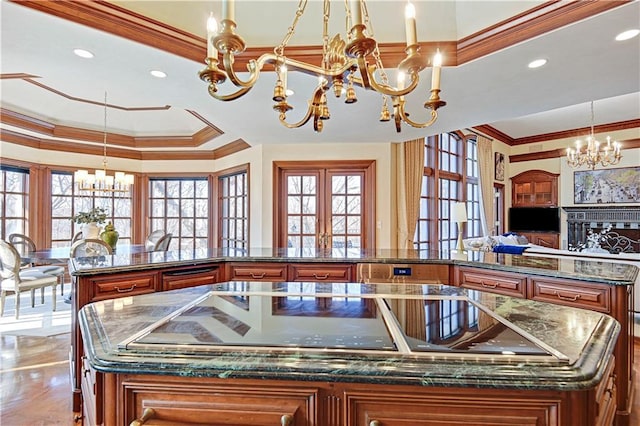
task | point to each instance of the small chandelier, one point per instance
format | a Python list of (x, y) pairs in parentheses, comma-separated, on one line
[(593, 153), (99, 181), (344, 63)]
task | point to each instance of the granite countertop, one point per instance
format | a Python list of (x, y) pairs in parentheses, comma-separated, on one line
[(570, 267), (424, 335)]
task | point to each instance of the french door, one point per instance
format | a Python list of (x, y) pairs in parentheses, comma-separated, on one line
[(324, 205)]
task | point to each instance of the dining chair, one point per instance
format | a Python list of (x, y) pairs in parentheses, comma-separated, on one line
[(90, 247), (152, 239), (15, 279), (163, 243), (24, 245), (76, 237)]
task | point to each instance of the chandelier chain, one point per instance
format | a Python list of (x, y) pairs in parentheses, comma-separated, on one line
[(279, 50), (376, 56), (104, 137)]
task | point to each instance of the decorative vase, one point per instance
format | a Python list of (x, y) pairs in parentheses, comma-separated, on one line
[(110, 235), (90, 230)]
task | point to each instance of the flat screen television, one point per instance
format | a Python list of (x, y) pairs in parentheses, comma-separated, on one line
[(534, 219)]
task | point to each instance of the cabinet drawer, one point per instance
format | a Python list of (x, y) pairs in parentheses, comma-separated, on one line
[(237, 406), (412, 410), (256, 272), (124, 285), (493, 281), (596, 297), (321, 272), (190, 277)]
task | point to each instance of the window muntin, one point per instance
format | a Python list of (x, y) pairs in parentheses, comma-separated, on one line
[(450, 175), (233, 211), (67, 201), (180, 206), (14, 201)]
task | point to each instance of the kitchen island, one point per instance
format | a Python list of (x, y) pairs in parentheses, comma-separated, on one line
[(598, 286), (296, 353)]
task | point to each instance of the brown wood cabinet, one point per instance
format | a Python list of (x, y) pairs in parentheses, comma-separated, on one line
[(616, 301), (544, 239), (534, 188), (136, 399)]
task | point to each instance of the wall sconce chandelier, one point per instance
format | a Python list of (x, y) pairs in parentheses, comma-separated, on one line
[(344, 63), (99, 181), (593, 153)]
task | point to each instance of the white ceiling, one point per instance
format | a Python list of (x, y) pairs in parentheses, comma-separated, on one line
[(585, 64)]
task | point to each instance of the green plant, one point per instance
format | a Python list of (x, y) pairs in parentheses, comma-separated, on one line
[(96, 214)]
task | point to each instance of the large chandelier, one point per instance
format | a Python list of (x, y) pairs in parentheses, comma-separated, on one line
[(99, 182), (594, 153), (344, 63)]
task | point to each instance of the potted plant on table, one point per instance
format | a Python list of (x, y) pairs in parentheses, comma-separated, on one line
[(90, 221)]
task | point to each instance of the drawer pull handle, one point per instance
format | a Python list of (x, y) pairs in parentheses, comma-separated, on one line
[(324, 277), (147, 414), (257, 276), (286, 420), (125, 290), (375, 423), (567, 298), (489, 285)]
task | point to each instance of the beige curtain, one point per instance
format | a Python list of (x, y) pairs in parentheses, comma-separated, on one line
[(409, 157), (485, 166)]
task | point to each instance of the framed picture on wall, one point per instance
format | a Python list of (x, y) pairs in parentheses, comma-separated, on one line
[(607, 186), (499, 165)]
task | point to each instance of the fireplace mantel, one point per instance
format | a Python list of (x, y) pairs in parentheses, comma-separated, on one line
[(624, 222)]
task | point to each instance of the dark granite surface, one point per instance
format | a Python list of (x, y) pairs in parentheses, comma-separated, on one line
[(606, 272), (352, 333)]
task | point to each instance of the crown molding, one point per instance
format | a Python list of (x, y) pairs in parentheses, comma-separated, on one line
[(43, 127), (18, 138), (494, 133), (560, 152), (139, 28)]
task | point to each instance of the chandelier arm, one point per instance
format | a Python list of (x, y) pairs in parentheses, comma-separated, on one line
[(406, 119), (312, 110), (230, 97), (252, 66), (385, 88)]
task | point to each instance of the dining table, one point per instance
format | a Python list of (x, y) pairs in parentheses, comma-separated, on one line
[(61, 254)]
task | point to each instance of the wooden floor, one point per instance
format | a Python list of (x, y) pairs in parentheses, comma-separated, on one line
[(35, 386)]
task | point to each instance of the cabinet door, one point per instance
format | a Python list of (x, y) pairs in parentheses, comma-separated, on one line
[(219, 405)]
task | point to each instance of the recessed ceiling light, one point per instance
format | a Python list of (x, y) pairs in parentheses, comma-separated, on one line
[(158, 73), (290, 92), (626, 35), (83, 53), (537, 63)]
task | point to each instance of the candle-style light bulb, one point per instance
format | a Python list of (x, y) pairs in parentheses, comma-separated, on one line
[(401, 77), (410, 24), (435, 73), (356, 12), (212, 30), (228, 10)]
